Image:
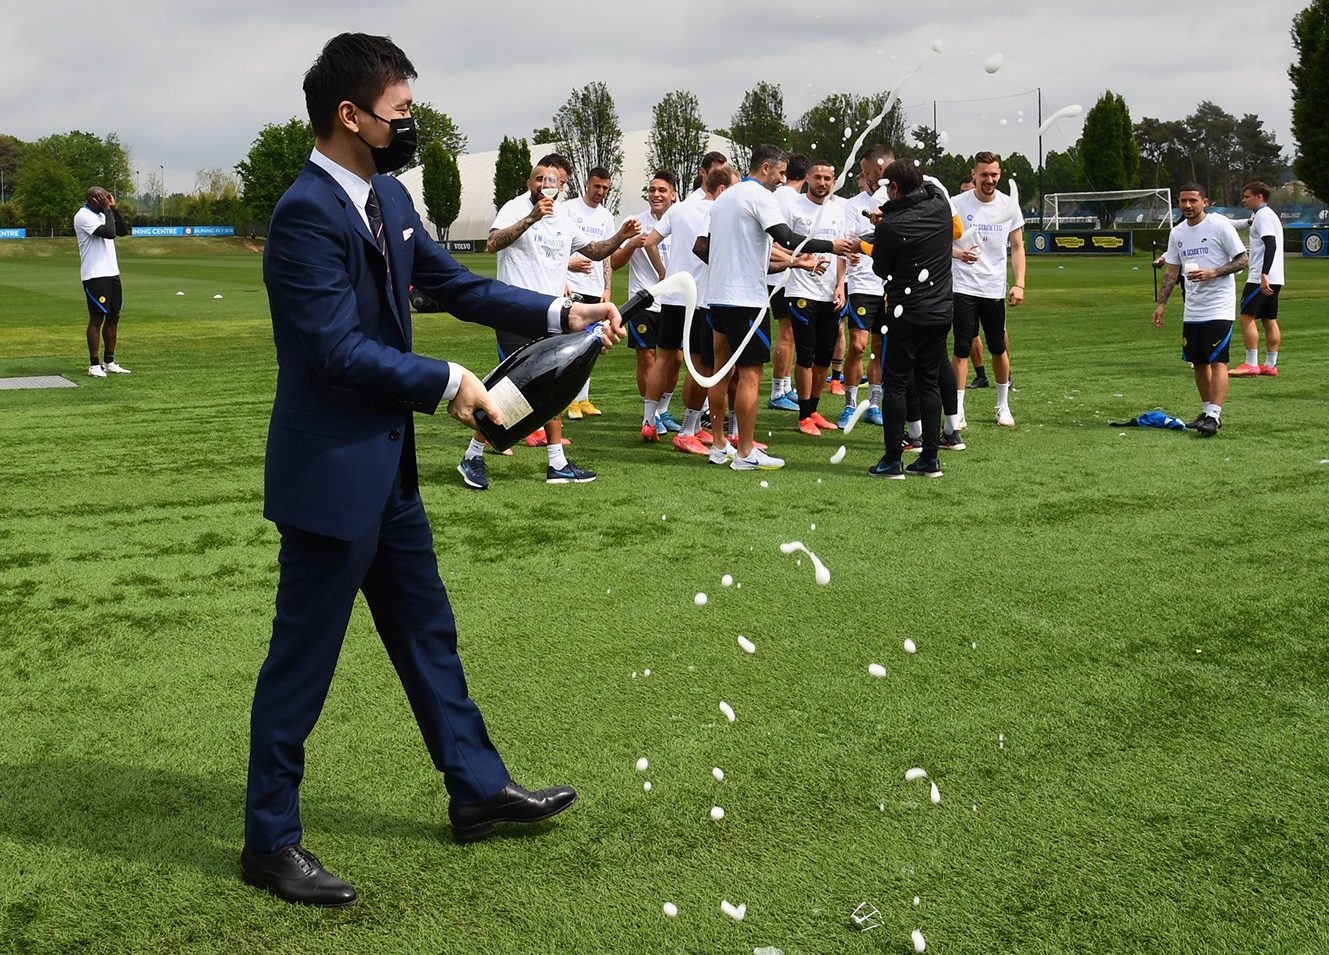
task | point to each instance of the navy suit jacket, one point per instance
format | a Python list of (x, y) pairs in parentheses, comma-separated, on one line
[(347, 382)]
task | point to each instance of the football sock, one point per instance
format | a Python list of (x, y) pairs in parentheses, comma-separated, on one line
[(1003, 391), (1252, 356), (874, 396), (475, 449), (649, 412), (980, 371), (110, 357), (805, 407), (777, 387), (952, 423), (851, 396), (663, 407), (731, 423), (1270, 359), (959, 401), (915, 429), (585, 393), (691, 422), (557, 459)]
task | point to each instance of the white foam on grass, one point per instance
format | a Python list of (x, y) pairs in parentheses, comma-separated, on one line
[(822, 575)]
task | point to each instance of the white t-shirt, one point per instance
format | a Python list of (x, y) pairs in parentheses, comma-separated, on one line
[(1209, 245), (740, 251), (597, 223), (538, 259), (985, 278), (641, 274), (785, 195), (679, 227), (96, 256), (828, 217), (860, 279), (1266, 222)]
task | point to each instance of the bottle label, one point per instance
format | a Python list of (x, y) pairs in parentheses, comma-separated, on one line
[(509, 400)]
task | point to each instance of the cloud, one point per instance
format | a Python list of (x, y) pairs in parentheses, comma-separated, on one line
[(188, 86)]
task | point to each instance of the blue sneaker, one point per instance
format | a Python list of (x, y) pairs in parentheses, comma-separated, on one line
[(568, 474), (874, 417), (842, 422), (925, 467), (472, 471), (665, 422), (888, 469), (783, 403)]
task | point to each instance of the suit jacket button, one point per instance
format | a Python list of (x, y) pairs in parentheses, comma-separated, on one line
[(394, 434)]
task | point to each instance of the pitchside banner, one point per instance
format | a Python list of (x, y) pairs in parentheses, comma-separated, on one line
[(13, 233), (171, 230), (1080, 243)]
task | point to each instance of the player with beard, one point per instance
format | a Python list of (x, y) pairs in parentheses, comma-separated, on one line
[(590, 282), (783, 395), (534, 242), (981, 295), (815, 300)]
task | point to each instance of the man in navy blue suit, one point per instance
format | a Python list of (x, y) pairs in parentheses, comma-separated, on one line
[(340, 480)]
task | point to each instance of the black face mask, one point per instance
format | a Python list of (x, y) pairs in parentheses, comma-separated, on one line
[(399, 150)]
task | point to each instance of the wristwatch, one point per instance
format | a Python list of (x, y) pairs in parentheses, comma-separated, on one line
[(564, 313)]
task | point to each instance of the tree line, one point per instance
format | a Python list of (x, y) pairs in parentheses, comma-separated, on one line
[(42, 182)]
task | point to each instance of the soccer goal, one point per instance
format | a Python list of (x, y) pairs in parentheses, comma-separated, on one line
[(1121, 209)]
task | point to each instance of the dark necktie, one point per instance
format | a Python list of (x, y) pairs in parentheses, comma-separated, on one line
[(375, 215)]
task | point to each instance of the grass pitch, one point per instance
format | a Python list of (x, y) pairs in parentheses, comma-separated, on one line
[(1137, 617)]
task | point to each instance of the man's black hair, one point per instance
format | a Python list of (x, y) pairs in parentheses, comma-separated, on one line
[(557, 162), (354, 67), (766, 153), (798, 166), (666, 175)]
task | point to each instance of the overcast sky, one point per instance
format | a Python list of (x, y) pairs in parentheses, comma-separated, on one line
[(187, 85)]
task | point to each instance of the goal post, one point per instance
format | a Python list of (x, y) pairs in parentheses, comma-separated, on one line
[(1124, 208)]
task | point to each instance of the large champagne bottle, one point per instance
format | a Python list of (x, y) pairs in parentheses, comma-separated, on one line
[(537, 381)]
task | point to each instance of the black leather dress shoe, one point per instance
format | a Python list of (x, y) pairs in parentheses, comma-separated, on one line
[(294, 874), (514, 803)]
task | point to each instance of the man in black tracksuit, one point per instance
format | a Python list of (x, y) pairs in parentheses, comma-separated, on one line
[(912, 250)]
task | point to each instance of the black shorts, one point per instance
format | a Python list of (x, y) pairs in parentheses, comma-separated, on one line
[(701, 339), (509, 342), (971, 312), (733, 323), (1257, 304), (865, 312), (104, 297), (643, 329), (671, 327), (816, 330), (1206, 343), (779, 305)]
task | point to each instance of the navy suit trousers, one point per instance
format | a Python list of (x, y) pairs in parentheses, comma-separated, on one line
[(395, 567)]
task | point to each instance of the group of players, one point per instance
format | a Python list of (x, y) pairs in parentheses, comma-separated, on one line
[(738, 235), (776, 241)]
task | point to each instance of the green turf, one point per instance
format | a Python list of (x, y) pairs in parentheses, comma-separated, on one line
[(1139, 615)]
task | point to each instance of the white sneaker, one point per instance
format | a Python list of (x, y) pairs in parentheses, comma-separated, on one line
[(96, 371), (758, 461), (722, 455), (1004, 418), (116, 369)]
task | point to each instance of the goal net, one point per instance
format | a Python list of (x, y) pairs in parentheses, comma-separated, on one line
[(1120, 209)]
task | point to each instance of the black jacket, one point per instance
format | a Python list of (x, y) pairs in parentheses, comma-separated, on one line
[(915, 234)]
